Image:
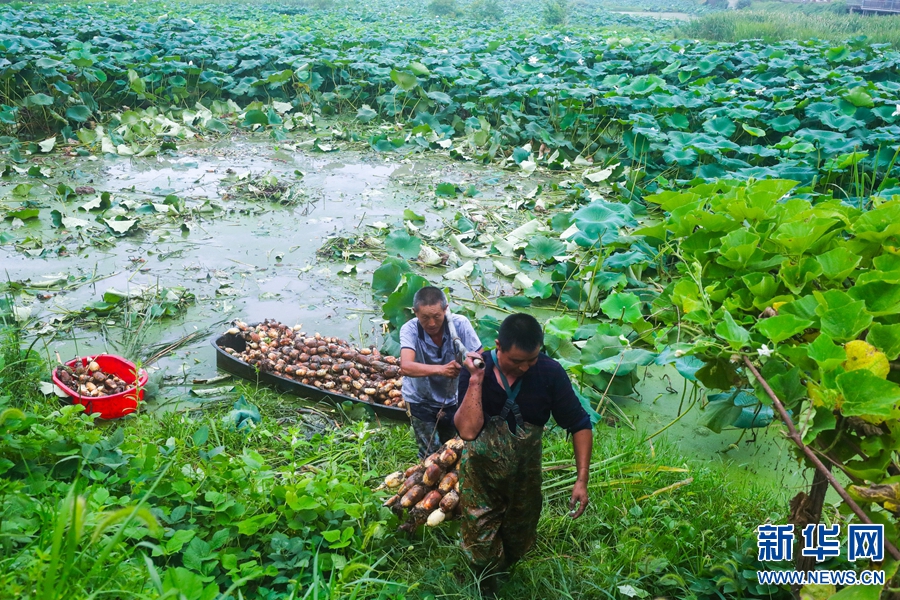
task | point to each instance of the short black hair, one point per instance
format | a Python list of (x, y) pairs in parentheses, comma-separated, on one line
[(429, 296), (520, 330)]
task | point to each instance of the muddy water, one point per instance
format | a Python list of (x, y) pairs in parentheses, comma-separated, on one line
[(757, 456), (242, 258)]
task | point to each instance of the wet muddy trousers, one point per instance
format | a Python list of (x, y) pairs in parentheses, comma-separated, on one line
[(432, 426), (500, 494)]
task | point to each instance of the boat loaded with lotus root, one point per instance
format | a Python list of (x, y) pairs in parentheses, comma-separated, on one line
[(312, 365)]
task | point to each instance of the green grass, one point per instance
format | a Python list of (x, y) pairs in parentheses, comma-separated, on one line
[(776, 21), (671, 545), (156, 505)]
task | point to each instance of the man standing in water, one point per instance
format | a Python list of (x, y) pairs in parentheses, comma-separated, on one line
[(430, 370), (502, 413)]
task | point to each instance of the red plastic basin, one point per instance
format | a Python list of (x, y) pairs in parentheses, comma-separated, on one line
[(115, 405)]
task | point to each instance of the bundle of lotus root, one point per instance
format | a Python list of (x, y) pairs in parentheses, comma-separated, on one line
[(428, 490)]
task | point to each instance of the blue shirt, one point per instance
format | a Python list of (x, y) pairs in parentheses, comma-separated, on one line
[(546, 390), (436, 388)]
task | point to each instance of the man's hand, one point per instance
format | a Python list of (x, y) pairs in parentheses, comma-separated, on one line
[(580, 498), (451, 369), (470, 364)]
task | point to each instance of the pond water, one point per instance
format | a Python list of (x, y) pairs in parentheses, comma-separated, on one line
[(251, 258), (243, 257)]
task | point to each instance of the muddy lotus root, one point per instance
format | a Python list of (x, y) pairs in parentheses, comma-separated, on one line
[(90, 381), (328, 363), (428, 491)]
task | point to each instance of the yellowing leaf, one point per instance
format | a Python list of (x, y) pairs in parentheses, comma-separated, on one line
[(863, 355), (824, 397)]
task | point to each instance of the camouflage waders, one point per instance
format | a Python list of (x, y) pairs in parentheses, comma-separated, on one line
[(500, 488), (500, 494)]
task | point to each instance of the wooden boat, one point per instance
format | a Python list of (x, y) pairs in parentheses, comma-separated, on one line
[(234, 365)]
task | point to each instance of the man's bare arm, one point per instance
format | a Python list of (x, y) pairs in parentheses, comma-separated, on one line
[(410, 368), (469, 417), (582, 443)]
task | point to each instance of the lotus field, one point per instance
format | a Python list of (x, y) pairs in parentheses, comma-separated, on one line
[(708, 232)]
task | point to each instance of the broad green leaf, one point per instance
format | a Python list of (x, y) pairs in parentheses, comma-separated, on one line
[(785, 123), (252, 525), (539, 290), (410, 215), (881, 297), (797, 276), (543, 249), (400, 242), (826, 353), (38, 100), (687, 367), (365, 114), (22, 213), (686, 295), (446, 190), (200, 436), (720, 126), (217, 126), (563, 327), (621, 364), (135, 82), (868, 396), (798, 237), (720, 414), (842, 318), (22, 190), (563, 350), (731, 332), (838, 263), (255, 117), (754, 131), (79, 113), (419, 69), (178, 540), (625, 307), (405, 81), (513, 302), (782, 327), (599, 222), (440, 97), (387, 277), (886, 338), (858, 96)]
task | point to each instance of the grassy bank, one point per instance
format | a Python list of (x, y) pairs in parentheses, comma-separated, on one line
[(153, 506), (777, 21)]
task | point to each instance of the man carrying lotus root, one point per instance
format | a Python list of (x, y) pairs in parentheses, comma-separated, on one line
[(502, 414)]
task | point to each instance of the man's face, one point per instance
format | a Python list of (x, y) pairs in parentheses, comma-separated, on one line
[(515, 361), (431, 318)]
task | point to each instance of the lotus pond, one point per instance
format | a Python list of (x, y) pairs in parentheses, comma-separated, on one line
[(688, 219)]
